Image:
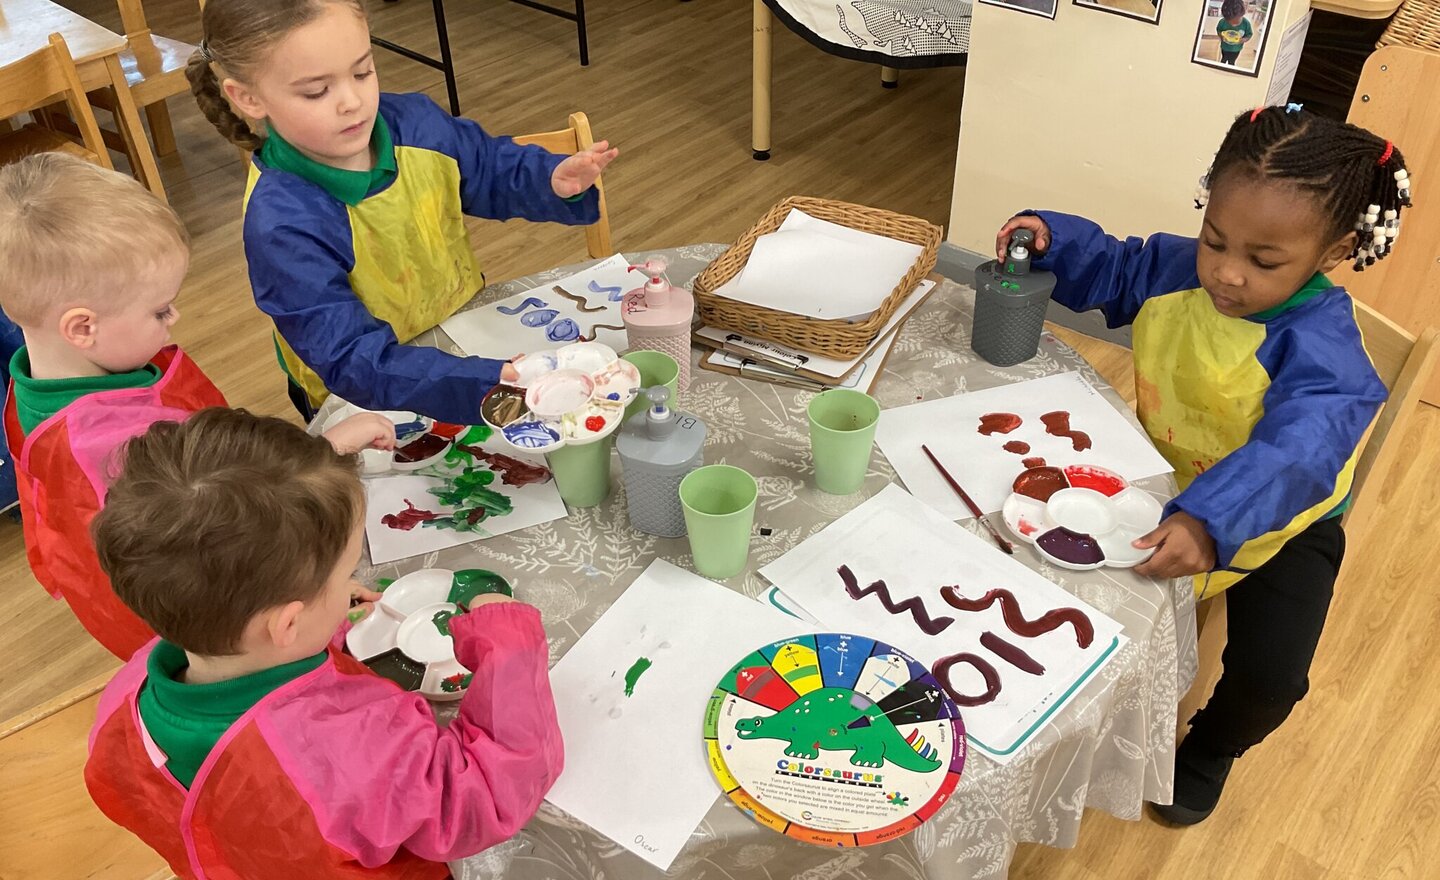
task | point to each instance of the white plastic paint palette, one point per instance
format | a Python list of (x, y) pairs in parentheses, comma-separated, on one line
[(411, 624), (1081, 517), (409, 427), (574, 395)]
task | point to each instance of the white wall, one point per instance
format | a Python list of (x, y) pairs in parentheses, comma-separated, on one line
[(1094, 114)]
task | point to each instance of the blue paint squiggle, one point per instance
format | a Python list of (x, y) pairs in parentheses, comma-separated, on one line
[(612, 292), (563, 330), (515, 310), (538, 318)]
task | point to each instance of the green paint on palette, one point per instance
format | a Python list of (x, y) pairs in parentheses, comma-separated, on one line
[(468, 583), (442, 621), (633, 674)]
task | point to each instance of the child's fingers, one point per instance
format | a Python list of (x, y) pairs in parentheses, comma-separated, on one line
[(365, 594), (1153, 538), (359, 612)]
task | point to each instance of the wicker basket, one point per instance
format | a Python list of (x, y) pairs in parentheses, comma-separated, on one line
[(1417, 23), (830, 337)]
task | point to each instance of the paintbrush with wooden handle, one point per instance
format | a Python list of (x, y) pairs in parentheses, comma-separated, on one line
[(974, 508)]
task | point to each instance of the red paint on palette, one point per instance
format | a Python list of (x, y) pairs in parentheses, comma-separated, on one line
[(1035, 462), (1102, 481), (998, 423), (594, 424), (1019, 447), (447, 430), (1057, 424), (1039, 483), (427, 446), (1027, 528)]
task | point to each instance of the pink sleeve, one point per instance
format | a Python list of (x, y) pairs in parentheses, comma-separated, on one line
[(387, 776)]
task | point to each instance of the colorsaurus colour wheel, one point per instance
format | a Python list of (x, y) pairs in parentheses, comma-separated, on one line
[(834, 739)]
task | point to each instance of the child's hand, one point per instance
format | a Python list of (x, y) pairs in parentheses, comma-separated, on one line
[(1185, 548), (578, 172), (485, 599), (362, 601), (1030, 222), (508, 374), (362, 431)]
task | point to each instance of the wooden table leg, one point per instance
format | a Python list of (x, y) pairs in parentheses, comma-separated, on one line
[(127, 117), (889, 77), (760, 83), (161, 129)]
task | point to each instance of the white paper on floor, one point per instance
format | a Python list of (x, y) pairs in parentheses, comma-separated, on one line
[(542, 318), (531, 505), (895, 540), (981, 464), (820, 269), (635, 765)]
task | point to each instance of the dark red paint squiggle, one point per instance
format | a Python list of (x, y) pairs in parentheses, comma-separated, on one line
[(1015, 618), (1057, 424), (941, 671), (1011, 654), (408, 518), (913, 604)]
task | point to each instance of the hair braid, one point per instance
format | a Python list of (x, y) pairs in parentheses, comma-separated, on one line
[(205, 86), (1357, 178)]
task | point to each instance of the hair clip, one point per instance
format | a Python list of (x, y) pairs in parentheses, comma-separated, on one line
[(204, 49), (1294, 108), (1254, 114), (1202, 192)]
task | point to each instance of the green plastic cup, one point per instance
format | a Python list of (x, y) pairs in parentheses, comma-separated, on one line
[(842, 433), (656, 368), (582, 472), (719, 502)]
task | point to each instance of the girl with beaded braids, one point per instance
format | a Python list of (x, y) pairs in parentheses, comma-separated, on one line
[(1252, 379), (355, 208)]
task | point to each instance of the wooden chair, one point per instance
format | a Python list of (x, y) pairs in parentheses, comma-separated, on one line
[(48, 825), (154, 70), (31, 84), (568, 141), (1406, 364)]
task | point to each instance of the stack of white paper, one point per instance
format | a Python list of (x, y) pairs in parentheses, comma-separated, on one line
[(820, 269)]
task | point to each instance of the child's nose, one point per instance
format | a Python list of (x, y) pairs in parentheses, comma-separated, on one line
[(1230, 274)]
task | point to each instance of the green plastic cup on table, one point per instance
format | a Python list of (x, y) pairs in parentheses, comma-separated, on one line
[(656, 368), (719, 503), (582, 472), (842, 434)]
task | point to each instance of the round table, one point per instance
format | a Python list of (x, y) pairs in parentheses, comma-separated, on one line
[(1111, 748)]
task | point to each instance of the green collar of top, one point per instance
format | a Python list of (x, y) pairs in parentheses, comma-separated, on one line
[(1317, 285), (350, 187), (228, 699)]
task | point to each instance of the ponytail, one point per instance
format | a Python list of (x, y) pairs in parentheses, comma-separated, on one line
[(205, 86)]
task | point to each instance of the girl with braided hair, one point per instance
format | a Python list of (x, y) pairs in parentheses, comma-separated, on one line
[(355, 207), (1253, 381)]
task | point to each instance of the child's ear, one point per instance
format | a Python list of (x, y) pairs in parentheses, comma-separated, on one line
[(78, 327), (243, 98), (282, 624), (1338, 252)]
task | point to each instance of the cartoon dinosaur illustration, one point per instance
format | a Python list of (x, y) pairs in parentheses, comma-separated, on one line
[(837, 719)]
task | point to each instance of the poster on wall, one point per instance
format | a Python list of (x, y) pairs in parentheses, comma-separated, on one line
[(1029, 7), (1145, 10), (1231, 35)]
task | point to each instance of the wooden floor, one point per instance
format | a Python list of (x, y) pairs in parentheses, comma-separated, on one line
[(1347, 789)]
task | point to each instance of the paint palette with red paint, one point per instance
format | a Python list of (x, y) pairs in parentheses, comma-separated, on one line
[(571, 396), (1081, 517)]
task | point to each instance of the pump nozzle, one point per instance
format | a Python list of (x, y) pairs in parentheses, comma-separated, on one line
[(659, 418), (657, 289), (1017, 259)]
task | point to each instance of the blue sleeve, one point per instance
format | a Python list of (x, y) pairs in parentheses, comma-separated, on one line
[(300, 255), (1098, 271), (1323, 394), (499, 179)]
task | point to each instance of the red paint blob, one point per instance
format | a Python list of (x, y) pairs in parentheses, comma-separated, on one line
[(1040, 483), (1057, 424), (426, 446), (1027, 528), (1102, 481), (512, 471), (447, 430), (1035, 462), (594, 424), (1019, 447), (408, 518), (998, 423)]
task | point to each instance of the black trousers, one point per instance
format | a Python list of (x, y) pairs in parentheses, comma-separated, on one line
[(1275, 616)]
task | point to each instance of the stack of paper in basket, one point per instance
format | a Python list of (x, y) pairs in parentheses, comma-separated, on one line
[(817, 269)]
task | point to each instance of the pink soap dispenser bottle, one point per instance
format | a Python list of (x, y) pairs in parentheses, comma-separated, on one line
[(658, 316)]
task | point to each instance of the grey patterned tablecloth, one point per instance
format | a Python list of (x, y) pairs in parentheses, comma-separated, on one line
[(1112, 748)]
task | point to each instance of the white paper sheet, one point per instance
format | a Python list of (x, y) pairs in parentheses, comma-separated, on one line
[(635, 767), (980, 463), (491, 332), (821, 269), (533, 504), (862, 377), (815, 363), (894, 538)]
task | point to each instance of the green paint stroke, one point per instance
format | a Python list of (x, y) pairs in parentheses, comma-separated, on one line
[(442, 621), (633, 674)]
